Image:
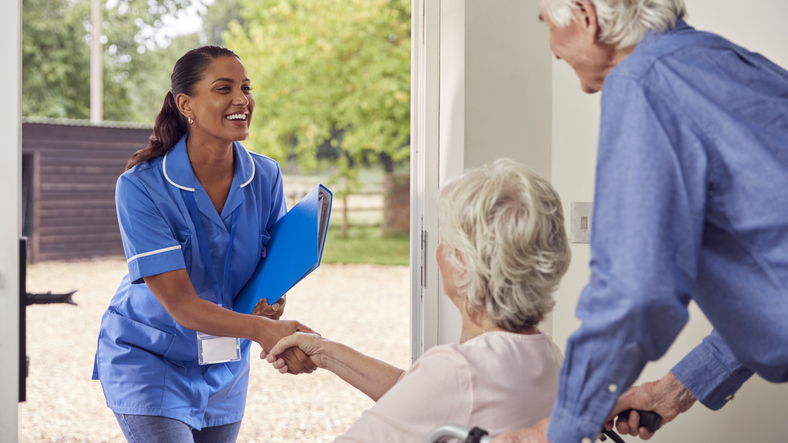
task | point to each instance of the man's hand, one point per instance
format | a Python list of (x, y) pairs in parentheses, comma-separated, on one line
[(274, 312), (535, 434), (667, 397)]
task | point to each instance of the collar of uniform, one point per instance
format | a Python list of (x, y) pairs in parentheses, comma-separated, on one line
[(179, 173), (244, 173), (177, 168)]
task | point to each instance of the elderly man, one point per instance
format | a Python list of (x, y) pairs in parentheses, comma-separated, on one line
[(691, 204)]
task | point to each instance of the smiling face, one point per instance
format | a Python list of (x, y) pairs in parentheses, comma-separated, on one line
[(578, 46), (221, 104)]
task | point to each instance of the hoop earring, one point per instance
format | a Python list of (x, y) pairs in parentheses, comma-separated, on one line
[(191, 121)]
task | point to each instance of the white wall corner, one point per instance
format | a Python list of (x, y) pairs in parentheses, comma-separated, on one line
[(10, 223)]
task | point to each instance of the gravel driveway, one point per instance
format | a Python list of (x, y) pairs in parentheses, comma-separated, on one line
[(364, 306)]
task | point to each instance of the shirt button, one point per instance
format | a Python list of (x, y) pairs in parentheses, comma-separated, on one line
[(612, 387), (729, 397), (585, 440)]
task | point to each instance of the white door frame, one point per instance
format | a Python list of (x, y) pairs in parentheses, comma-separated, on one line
[(10, 222), (481, 90), (437, 95), (425, 107)]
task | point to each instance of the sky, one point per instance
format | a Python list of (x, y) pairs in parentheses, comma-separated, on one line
[(187, 22)]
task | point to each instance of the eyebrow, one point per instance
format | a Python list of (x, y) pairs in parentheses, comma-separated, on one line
[(229, 80)]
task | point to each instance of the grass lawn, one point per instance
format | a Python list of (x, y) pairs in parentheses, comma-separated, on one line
[(365, 245)]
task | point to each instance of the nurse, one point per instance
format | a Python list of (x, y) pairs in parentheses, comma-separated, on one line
[(194, 209)]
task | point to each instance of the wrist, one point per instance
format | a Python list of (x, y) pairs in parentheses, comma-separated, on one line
[(263, 333), (327, 356), (682, 397)]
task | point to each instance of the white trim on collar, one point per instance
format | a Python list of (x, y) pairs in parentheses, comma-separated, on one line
[(251, 160), (164, 168)]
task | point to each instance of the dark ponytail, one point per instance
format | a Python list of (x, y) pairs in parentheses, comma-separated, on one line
[(171, 125)]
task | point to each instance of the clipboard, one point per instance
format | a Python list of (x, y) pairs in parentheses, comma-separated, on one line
[(294, 251)]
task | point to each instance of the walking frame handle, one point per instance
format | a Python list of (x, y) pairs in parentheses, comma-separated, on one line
[(475, 435)]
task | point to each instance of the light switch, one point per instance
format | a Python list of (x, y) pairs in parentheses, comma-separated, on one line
[(580, 221)]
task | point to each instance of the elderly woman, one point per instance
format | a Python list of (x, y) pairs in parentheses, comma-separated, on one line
[(502, 252)]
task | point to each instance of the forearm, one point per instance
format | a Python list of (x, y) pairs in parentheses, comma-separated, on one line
[(207, 317), (369, 375), (176, 294)]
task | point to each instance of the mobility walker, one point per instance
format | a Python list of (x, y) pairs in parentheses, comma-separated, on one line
[(650, 420)]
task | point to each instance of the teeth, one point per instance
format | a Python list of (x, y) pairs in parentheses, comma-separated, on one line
[(236, 117)]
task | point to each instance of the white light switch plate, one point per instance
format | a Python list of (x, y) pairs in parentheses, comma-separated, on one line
[(580, 221)]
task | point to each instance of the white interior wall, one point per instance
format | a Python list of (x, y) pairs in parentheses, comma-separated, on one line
[(452, 132), (758, 411), (10, 222), (494, 97), (501, 96)]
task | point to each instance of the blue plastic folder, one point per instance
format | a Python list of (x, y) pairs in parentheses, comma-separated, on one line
[(294, 251)]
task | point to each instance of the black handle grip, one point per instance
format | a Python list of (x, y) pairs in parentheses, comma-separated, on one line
[(648, 419), (475, 435)]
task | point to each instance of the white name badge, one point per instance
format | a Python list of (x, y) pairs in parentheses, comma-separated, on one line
[(212, 349)]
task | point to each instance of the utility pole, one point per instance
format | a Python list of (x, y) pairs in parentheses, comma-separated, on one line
[(96, 65)]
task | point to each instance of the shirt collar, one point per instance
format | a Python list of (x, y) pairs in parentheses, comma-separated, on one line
[(680, 26), (179, 173)]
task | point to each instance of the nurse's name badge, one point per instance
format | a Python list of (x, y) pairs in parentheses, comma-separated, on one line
[(212, 349)]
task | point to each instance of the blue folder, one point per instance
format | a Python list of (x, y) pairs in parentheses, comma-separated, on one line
[(294, 251)]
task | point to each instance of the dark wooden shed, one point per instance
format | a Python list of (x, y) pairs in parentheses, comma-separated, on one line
[(69, 170)]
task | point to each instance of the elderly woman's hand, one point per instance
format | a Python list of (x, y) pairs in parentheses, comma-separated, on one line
[(311, 344), (274, 312)]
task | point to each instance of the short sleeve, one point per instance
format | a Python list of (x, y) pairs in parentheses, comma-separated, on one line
[(436, 390), (150, 246)]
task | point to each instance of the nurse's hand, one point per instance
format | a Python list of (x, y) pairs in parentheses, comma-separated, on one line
[(274, 312), (297, 361)]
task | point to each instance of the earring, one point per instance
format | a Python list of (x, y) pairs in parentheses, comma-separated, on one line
[(191, 121)]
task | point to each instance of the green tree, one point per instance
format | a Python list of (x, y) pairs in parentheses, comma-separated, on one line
[(331, 72), (56, 58), (217, 19)]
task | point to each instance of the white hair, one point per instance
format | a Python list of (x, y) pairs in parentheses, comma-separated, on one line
[(502, 228), (621, 22)]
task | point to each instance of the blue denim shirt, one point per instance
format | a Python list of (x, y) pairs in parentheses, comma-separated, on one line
[(691, 204)]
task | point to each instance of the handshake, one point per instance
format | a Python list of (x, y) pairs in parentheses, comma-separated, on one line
[(288, 345)]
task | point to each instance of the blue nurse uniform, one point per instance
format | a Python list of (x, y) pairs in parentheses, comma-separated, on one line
[(147, 363)]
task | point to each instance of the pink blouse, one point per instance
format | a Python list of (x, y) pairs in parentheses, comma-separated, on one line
[(499, 381)]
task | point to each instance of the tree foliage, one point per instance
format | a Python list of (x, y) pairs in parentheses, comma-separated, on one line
[(217, 19), (327, 72), (56, 58)]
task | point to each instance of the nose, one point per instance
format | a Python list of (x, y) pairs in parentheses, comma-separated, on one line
[(241, 99)]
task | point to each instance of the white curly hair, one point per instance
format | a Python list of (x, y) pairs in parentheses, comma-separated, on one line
[(621, 22), (502, 228)]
